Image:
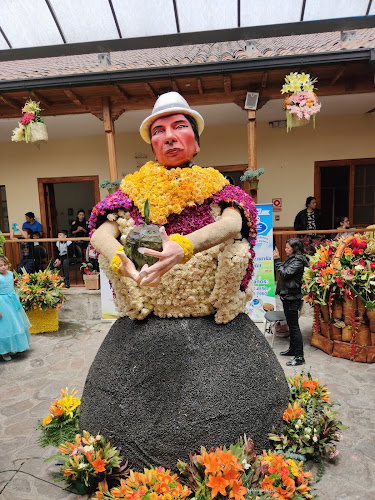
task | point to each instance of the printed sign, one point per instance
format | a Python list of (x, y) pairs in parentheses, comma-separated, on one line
[(263, 278), (108, 306), (277, 204)]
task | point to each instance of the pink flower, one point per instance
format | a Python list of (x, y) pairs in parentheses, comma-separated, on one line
[(27, 117), (372, 265), (354, 243), (363, 244), (339, 282), (355, 251)]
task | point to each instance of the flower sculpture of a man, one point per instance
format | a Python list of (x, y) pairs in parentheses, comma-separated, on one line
[(183, 366)]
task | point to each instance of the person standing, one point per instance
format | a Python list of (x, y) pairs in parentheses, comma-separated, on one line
[(31, 223), (79, 229), (289, 287), (14, 324), (63, 255), (309, 218)]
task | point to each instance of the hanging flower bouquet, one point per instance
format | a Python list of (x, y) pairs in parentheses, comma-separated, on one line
[(31, 128), (303, 103)]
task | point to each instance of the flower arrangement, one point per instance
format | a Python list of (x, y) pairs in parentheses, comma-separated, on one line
[(239, 473), (252, 174), (31, 128), (111, 186), (284, 478), (62, 422), (312, 428), (170, 191), (303, 103), (311, 242), (152, 484), (88, 461), (88, 269), (199, 287), (342, 268), (41, 290)]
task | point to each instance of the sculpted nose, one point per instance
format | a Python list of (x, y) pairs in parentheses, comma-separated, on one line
[(170, 136)]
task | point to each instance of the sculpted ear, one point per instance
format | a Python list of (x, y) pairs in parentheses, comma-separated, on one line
[(197, 148)]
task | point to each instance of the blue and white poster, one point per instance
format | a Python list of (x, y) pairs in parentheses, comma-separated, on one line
[(264, 277)]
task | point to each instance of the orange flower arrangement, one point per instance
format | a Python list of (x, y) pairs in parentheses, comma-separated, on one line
[(285, 477), (154, 484), (41, 290)]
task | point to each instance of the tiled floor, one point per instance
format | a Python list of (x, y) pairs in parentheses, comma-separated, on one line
[(31, 381)]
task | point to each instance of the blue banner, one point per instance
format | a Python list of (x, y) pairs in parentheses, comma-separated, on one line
[(264, 277)]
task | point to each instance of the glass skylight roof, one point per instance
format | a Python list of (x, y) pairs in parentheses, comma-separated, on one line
[(25, 23)]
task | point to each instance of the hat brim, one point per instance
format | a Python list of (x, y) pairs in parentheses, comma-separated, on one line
[(144, 129)]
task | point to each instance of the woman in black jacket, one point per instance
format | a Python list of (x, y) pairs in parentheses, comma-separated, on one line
[(289, 288)]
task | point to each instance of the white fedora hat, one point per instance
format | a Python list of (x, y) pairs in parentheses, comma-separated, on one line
[(169, 104)]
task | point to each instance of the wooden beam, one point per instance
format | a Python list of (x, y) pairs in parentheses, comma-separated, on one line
[(200, 86), (117, 116), (150, 90), (37, 97), (120, 91), (227, 84), (74, 98), (109, 130), (338, 75), (10, 102), (264, 79), (252, 147)]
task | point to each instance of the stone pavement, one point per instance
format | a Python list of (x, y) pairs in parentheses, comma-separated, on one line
[(32, 380)]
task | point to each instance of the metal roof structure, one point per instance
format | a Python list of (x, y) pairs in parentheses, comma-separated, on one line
[(50, 28)]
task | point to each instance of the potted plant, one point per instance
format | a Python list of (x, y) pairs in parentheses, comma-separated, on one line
[(91, 277), (31, 127), (111, 186), (41, 297), (252, 177)]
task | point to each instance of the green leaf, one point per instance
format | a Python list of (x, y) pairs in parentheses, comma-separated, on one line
[(147, 212)]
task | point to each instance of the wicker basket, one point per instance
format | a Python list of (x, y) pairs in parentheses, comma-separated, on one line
[(39, 133)]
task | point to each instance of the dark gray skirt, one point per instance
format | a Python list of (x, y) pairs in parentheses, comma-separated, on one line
[(161, 388)]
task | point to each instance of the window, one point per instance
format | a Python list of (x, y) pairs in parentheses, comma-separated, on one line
[(364, 200), (346, 187), (4, 221)]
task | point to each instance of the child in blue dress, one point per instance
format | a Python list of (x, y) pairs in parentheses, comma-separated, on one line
[(14, 324)]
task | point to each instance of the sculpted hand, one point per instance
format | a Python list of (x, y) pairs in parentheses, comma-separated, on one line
[(171, 255), (127, 268)]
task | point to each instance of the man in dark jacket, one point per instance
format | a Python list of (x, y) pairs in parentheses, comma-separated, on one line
[(289, 287), (309, 218)]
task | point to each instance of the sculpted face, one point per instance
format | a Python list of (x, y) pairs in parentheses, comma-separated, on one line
[(173, 141)]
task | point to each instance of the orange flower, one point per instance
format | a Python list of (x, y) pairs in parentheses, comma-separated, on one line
[(237, 491), (99, 465), (326, 398), (294, 412), (26, 278), (267, 484), (218, 485), (311, 385)]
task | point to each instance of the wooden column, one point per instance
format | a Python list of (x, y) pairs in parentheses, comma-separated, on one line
[(251, 151), (109, 129)]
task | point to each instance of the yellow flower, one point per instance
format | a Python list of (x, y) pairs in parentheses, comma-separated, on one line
[(170, 191), (47, 420)]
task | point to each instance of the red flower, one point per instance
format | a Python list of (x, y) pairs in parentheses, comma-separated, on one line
[(363, 245), (355, 250), (27, 117), (372, 265), (339, 282), (354, 243), (362, 263)]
